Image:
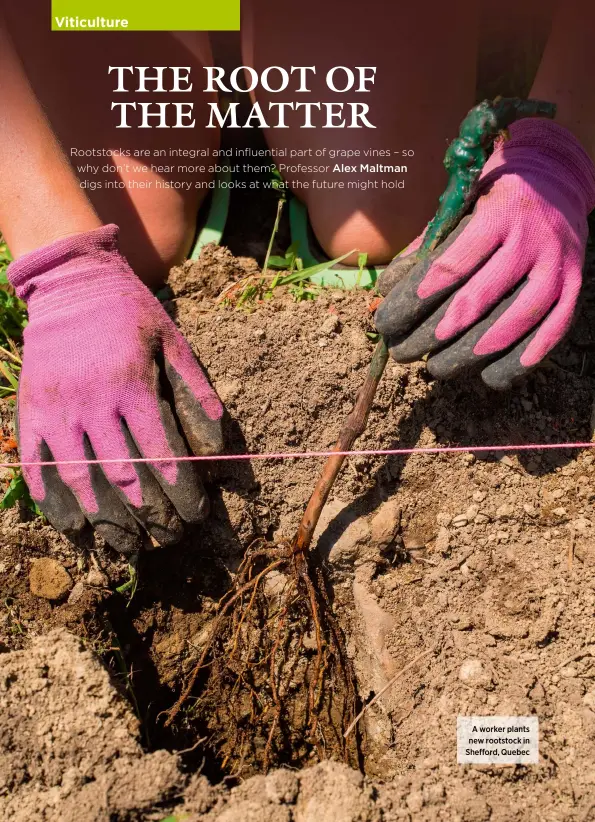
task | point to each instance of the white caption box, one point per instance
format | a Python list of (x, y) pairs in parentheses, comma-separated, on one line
[(497, 740)]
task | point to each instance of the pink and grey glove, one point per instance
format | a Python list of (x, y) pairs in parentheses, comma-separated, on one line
[(500, 293), (106, 374)]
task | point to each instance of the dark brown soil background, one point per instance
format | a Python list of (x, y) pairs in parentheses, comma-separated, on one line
[(488, 563)]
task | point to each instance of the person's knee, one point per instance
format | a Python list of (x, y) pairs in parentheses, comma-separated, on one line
[(359, 232)]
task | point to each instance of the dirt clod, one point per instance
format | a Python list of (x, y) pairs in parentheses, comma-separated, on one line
[(473, 673), (69, 745), (48, 579), (207, 276)]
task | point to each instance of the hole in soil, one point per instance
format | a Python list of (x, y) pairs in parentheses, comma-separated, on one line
[(146, 641)]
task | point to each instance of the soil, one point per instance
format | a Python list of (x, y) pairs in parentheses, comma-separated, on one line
[(486, 562)]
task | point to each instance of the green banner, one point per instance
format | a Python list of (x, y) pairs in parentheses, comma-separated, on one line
[(145, 15)]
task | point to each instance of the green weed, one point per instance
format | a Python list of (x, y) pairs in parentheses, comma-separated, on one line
[(131, 583), (15, 625), (16, 492), (290, 267), (281, 188), (293, 274), (13, 312), (13, 319), (362, 259)]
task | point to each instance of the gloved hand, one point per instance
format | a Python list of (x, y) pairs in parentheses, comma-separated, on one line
[(104, 370), (514, 265)]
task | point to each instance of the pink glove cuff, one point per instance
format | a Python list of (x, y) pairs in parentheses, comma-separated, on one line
[(41, 270), (73, 272), (554, 143)]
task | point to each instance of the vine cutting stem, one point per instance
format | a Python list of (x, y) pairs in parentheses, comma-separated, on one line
[(353, 426)]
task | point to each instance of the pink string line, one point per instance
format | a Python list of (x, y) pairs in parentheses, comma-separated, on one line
[(290, 455)]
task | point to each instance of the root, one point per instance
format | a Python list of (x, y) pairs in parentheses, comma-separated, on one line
[(273, 684), (267, 694)]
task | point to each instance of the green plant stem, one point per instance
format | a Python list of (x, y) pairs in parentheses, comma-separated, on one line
[(12, 357), (280, 204)]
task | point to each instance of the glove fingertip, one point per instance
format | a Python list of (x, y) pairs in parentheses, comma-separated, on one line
[(395, 272), (502, 374), (203, 431), (58, 503)]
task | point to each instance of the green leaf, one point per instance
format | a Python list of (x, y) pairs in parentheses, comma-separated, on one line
[(362, 259), (306, 273), (279, 262), (7, 372), (17, 491)]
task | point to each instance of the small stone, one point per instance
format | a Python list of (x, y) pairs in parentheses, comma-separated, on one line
[(530, 510), (390, 582), (581, 524), (569, 672), (479, 496), (472, 512), (415, 801), (76, 593), (507, 461), (502, 536), (48, 579), (443, 519), (322, 343), (460, 521), (473, 673), (505, 511), (442, 540), (481, 519), (330, 325), (97, 578), (339, 536), (228, 389), (559, 512), (260, 333), (461, 620), (557, 494), (527, 404)]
